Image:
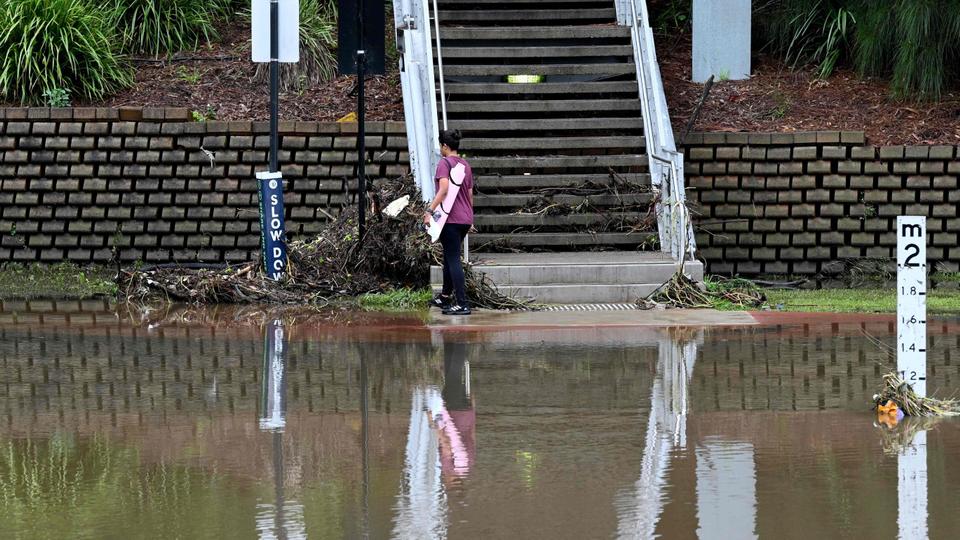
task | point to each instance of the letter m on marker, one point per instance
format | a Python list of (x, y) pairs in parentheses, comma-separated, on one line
[(911, 230)]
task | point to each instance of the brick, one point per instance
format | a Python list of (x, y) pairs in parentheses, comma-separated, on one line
[(831, 210), (68, 156), (905, 167), (864, 153), (754, 153), (846, 196), (834, 152), (891, 152), (789, 168), (161, 143), (828, 137), (918, 182), (96, 128), (834, 181), (862, 182), (890, 182), (932, 167), (818, 196), (849, 167), (903, 196), (945, 182), (733, 167), (695, 154), (17, 128), (853, 137), (819, 167), (942, 152), (917, 152)]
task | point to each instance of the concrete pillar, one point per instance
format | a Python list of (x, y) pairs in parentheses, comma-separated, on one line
[(721, 39)]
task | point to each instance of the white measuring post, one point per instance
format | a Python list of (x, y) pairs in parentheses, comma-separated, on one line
[(912, 301)]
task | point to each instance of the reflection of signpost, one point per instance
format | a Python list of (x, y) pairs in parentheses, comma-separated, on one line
[(912, 302), (912, 489), (273, 401), (275, 37)]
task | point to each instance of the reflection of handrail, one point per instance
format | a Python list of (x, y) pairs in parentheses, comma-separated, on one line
[(666, 173)]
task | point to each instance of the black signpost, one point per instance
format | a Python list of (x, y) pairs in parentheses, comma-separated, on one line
[(361, 51)]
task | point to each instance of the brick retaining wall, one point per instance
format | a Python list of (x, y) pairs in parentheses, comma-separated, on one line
[(807, 203), (74, 183)]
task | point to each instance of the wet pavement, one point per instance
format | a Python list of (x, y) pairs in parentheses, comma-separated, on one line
[(240, 423)]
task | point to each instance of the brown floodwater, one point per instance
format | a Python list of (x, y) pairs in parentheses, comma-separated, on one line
[(243, 423)]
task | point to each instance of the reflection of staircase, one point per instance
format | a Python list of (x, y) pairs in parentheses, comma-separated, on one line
[(559, 164)]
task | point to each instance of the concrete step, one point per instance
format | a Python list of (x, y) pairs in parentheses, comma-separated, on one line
[(547, 124), (558, 241), (560, 51), (578, 277), (530, 33), (490, 222), (502, 70), (553, 143), (521, 200), (520, 16), (481, 164), (567, 88), (486, 182), (544, 105)]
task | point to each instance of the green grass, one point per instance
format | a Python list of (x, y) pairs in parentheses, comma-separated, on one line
[(61, 281), (396, 300), (857, 300)]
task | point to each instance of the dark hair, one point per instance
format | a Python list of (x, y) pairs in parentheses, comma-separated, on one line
[(451, 138)]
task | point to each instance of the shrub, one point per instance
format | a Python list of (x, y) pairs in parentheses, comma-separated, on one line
[(166, 26), (916, 43), (318, 40), (51, 44)]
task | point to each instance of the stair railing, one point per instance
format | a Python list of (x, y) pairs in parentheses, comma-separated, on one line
[(665, 162), (418, 81)]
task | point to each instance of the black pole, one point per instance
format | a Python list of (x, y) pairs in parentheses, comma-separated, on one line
[(361, 119), (274, 85)]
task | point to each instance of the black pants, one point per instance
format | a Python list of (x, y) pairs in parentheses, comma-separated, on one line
[(451, 238)]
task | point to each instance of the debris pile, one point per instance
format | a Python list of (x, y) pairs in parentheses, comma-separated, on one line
[(897, 399), (683, 292), (396, 252)]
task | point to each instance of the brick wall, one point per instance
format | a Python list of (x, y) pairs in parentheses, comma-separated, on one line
[(807, 203), (74, 183)]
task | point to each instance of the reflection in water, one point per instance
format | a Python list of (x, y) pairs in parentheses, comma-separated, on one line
[(440, 448), (109, 429), (281, 519), (666, 430), (726, 490), (912, 484)]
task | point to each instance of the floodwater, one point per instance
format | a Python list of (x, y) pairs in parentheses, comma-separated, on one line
[(239, 424)]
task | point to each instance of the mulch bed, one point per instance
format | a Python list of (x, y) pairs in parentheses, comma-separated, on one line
[(227, 87), (778, 99)]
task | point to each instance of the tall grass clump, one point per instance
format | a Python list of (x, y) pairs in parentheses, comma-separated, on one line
[(166, 26), (318, 41), (58, 44), (914, 43)]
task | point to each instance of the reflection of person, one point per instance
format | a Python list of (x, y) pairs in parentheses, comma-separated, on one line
[(457, 441), (453, 297)]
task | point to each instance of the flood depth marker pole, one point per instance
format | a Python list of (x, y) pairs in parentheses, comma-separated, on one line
[(912, 302)]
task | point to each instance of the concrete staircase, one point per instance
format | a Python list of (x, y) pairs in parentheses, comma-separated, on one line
[(559, 164), (564, 203), (571, 278)]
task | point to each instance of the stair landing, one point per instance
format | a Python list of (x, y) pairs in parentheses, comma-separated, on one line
[(578, 277)]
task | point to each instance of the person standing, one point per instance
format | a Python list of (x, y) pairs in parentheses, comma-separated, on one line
[(453, 297)]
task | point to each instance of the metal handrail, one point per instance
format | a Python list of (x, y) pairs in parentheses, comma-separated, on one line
[(665, 163), (443, 93)]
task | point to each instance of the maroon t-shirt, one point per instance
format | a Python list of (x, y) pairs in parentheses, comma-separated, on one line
[(462, 211)]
